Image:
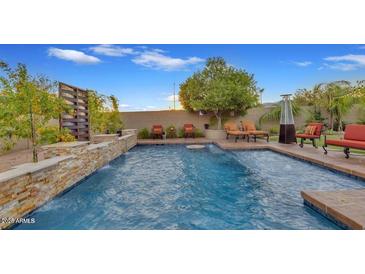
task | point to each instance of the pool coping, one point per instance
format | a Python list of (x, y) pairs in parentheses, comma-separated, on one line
[(261, 146)]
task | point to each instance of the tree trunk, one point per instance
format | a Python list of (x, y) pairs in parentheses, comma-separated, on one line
[(33, 136), (219, 121)]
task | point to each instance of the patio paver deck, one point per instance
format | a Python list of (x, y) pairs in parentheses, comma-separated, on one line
[(345, 207)]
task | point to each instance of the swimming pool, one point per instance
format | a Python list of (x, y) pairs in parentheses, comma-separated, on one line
[(171, 187)]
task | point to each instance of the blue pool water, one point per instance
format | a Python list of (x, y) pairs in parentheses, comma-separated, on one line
[(171, 187)]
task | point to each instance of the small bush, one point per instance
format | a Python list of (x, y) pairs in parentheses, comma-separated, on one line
[(52, 134), (180, 133), (199, 133), (64, 135), (143, 134), (274, 130), (7, 144), (171, 132)]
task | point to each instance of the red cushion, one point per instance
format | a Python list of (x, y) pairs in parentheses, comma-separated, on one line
[(347, 143), (307, 136), (355, 132), (318, 129)]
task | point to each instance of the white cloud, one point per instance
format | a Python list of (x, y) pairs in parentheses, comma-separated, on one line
[(345, 62), (75, 56), (157, 60), (124, 105), (112, 50), (303, 63), (170, 98)]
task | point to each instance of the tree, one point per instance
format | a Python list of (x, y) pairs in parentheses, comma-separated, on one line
[(219, 88), (97, 108), (30, 103), (114, 122), (104, 113), (336, 98)]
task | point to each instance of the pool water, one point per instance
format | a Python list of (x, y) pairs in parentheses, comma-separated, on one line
[(171, 187)]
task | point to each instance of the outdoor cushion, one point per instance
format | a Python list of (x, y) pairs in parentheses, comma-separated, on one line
[(306, 136), (355, 132), (188, 129), (249, 126), (257, 132), (236, 132), (231, 127), (318, 128), (310, 130), (347, 143)]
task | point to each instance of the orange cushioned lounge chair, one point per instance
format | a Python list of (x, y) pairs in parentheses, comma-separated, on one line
[(312, 132), (250, 127), (157, 131), (354, 138), (232, 130), (189, 130)]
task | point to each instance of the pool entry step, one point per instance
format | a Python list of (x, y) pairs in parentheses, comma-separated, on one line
[(344, 207)]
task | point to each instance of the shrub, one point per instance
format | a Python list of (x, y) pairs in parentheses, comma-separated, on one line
[(180, 133), (7, 144), (171, 132), (274, 130), (143, 134), (52, 134), (199, 133), (64, 135)]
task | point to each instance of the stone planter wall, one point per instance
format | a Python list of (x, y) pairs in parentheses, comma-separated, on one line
[(28, 186), (215, 134)]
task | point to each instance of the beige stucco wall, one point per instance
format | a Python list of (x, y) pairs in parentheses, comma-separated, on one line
[(145, 119)]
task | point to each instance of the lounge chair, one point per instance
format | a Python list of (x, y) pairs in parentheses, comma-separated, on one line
[(354, 138), (157, 131), (312, 132), (250, 127), (189, 130), (232, 130)]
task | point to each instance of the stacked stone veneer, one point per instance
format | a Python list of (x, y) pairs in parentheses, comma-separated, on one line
[(28, 186)]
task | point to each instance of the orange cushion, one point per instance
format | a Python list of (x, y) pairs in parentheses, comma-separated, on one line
[(189, 129), (301, 135), (249, 126), (347, 143), (231, 126), (355, 132), (310, 130)]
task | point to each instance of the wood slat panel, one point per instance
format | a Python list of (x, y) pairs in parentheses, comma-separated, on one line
[(78, 100)]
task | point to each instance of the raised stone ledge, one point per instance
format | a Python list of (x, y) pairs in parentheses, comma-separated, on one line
[(124, 137), (67, 145), (99, 145), (30, 168)]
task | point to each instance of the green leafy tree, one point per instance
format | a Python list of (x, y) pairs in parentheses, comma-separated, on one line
[(336, 98), (97, 109), (114, 121), (31, 101), (219, 88)]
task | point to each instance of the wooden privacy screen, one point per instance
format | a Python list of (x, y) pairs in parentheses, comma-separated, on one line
[(78, 120)]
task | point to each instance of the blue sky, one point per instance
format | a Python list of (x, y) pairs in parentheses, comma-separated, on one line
[(142, 76)]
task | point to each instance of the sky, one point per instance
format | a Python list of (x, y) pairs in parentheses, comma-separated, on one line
[(143, 76)]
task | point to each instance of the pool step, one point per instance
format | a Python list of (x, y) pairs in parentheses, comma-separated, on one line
[(344, 207)]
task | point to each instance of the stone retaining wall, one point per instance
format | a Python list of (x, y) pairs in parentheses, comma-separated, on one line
[(28, 186)]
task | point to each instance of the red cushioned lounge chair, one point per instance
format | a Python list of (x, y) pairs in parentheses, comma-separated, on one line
[(312, 132), (354, 138), (157, 131), (189, 130)]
